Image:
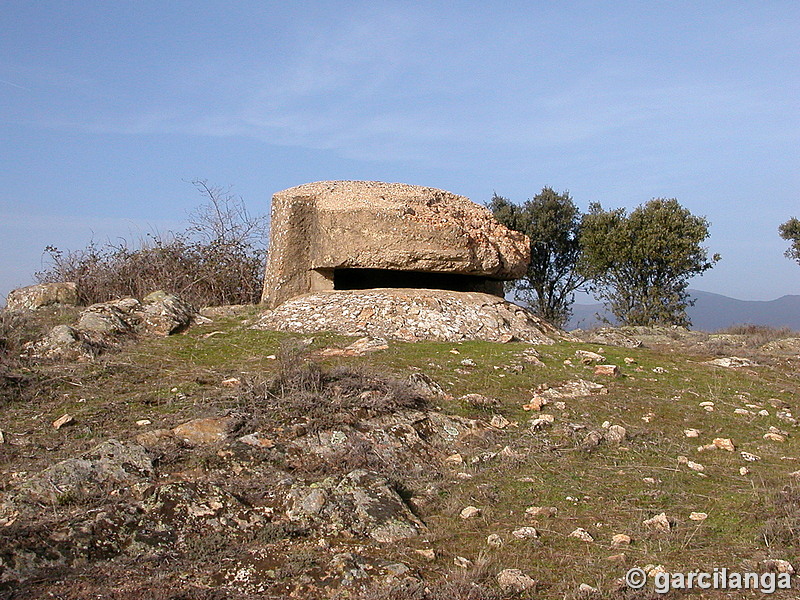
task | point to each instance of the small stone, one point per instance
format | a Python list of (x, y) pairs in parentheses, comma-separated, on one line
[(494, 540), (695, 466), (591, 440), (795, 474), (455, 459), (749, 457), (231, 382), (587, 357), (525, 533), (541, 511), (581, 534), (724, 444), (468, 362), (587, 590), (615, 434), (659, 370), (620, 539), (607, 370), (774, 437), (514, 580), (706, 447), (257, 440), (658, 523), (479, 401), (650, 480), (154, 438), (763, 412), (706, 403), (691, 433), (63, 420), (629, 361), (396, 569), (698, 516), (462, 562), (507, 452), (470, 512), (143, 422), (742, 411), (427, 553), (536, 403), (454, 351), (543, 420), (744, 471), (499, 422), (567, 362), (271, 357), (682, 460), (776, 565), (617, 558), (204, 431)]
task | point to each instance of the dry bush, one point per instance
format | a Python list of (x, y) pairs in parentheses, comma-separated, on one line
[(475, 583), (16, 329), (758, 335), (218, 260), (782, 523), (303, 391)]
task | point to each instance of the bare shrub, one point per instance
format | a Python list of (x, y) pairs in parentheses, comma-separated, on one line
[(16, 329), (304, 391), (758, 335), (474, 583), (218, 260), (782, 525)]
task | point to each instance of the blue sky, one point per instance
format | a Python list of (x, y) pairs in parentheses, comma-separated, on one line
[(108, 109)]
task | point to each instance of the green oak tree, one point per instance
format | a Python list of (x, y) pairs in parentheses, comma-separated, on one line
[(790, 231), (552, 222), (640, 263)]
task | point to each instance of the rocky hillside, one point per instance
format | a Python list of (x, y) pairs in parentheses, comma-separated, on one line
[(224, 461)]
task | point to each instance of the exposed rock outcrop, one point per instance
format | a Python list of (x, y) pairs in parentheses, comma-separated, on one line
[(104, 325), (410, 315), (42, 294)]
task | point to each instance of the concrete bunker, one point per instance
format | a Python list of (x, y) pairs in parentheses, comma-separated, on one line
[(361, 235)]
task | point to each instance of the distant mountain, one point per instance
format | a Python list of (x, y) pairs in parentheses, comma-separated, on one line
[(714, 311)]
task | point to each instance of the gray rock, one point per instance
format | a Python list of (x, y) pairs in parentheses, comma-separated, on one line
[(111, 463), (164, 314), (361, 503), (43, 294), (425, 386), (410, 315), (514, 580)]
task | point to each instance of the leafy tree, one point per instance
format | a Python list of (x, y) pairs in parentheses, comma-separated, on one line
[(552, 222), (790, 231), (640, 264)]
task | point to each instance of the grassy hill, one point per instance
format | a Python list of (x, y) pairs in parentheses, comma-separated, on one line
[(221, 518)]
